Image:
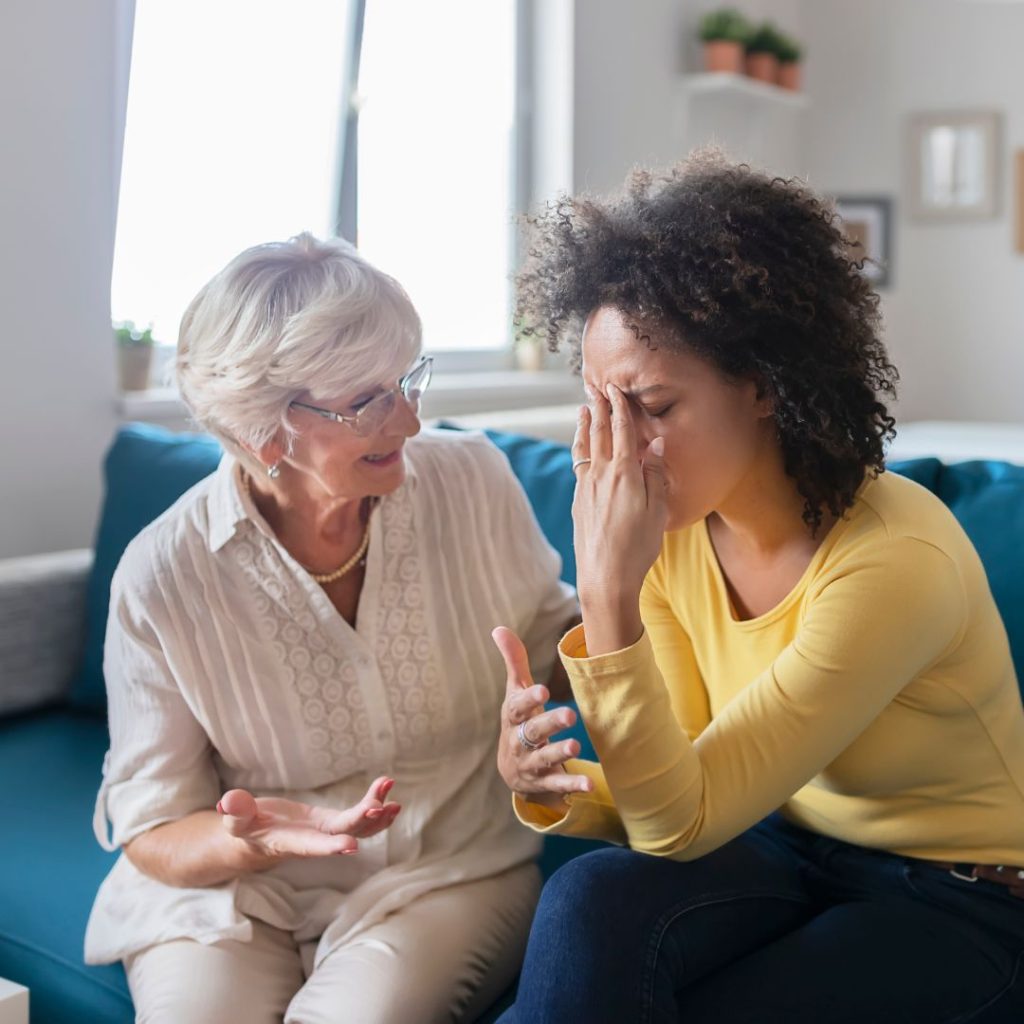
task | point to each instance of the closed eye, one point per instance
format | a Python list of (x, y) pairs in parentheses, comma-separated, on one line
[(656, 414)]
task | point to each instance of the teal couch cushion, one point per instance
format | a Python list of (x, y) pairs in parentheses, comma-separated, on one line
[(146, 470), (52, 867), (544, 468), (988, 500)]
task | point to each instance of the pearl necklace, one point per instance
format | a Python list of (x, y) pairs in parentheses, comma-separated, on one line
[(342, 570)]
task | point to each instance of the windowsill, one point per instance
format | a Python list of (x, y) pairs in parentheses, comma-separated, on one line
[(450, 394)]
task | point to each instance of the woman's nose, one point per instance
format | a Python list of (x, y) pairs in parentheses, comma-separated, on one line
[(405, 417)]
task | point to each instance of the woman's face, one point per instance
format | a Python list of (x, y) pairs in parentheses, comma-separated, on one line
[(715, 430), (344, 464)]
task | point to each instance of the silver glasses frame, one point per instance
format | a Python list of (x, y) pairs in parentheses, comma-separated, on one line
[(353, 421)]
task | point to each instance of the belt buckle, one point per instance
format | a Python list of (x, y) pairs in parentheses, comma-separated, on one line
[(963, 878)]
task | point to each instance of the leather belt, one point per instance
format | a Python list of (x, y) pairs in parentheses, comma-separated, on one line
[(1001, 874)]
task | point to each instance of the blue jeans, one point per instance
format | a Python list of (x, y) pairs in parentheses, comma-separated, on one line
[(780, 925)]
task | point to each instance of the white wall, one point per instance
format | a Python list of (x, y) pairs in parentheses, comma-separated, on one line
[(627, 60), (955, 313), (57, 71)]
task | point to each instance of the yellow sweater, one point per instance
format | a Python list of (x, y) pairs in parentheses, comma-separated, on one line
[(877, 703)]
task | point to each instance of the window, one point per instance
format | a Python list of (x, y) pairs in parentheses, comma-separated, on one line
[(234, 134), (436, 151)]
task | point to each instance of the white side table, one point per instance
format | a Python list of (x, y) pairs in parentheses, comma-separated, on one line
[(13, 1003)]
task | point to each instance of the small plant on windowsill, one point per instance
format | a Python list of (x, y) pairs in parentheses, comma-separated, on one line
[(763, 54), (724, 34), (790, 54), (134, 355), (528, 351)]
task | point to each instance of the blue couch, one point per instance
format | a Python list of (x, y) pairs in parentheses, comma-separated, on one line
[(50, 756)]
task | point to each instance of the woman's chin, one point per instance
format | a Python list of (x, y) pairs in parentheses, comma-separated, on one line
[(679, 518)]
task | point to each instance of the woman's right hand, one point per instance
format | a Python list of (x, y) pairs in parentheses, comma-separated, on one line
[(275, 829), (536, 775)]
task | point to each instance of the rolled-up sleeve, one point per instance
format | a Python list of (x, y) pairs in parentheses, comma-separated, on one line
[(159, 767)]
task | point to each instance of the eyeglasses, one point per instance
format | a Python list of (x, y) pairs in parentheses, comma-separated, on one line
[(373, 413)]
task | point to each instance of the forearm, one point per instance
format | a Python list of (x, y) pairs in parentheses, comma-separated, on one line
[(194, 852), (652, 770)]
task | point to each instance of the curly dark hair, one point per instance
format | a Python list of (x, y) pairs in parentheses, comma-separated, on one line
[(750, 272)]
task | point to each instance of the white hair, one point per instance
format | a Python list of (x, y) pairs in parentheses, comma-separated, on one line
[(285, 318)]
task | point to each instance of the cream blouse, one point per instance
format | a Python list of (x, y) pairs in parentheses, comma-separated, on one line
[(227, 666)]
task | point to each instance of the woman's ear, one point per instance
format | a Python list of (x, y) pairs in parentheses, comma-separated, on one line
[(269, 454)]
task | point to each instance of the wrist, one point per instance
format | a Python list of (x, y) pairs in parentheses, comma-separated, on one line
[(611, 625), (247, 857)]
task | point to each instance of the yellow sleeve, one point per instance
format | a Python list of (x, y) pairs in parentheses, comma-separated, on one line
[(868, 630), (594, 815), (590, 815), (674, 656)]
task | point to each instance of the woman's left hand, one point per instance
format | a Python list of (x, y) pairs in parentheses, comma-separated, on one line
[(619, 511), (277, 828)]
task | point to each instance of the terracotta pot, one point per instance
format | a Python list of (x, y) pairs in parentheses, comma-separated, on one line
[(790, 75), (724, 55), (763, 66), (134, 362)]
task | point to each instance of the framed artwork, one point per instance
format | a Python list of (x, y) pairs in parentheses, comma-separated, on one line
[(953, 161), (867, 223)]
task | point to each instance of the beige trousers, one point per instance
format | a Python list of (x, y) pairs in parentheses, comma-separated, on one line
[(445, 957)]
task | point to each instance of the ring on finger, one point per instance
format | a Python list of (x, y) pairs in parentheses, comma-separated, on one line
[(579, 462), (525, 740)]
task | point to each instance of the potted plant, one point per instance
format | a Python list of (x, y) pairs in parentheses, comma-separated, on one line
[(724, 33), (528, 351), (134, 355), (763, 54), (790, 54)]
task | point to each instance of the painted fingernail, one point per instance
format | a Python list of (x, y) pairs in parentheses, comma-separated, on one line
[(220, 809)]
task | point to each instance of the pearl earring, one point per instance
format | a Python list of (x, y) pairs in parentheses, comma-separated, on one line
[(274, 471)]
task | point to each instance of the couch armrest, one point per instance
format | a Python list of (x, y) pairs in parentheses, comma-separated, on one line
[(42, 627)]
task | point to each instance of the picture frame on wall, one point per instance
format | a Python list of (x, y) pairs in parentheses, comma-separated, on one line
[(953, 165), (867, 224)]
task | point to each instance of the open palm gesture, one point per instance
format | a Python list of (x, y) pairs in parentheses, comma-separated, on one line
[(279, 828)]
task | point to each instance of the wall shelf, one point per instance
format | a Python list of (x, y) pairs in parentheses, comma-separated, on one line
[(741, 87)]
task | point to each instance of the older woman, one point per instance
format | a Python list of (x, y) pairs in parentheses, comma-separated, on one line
[(810, 732), (302, 630)]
